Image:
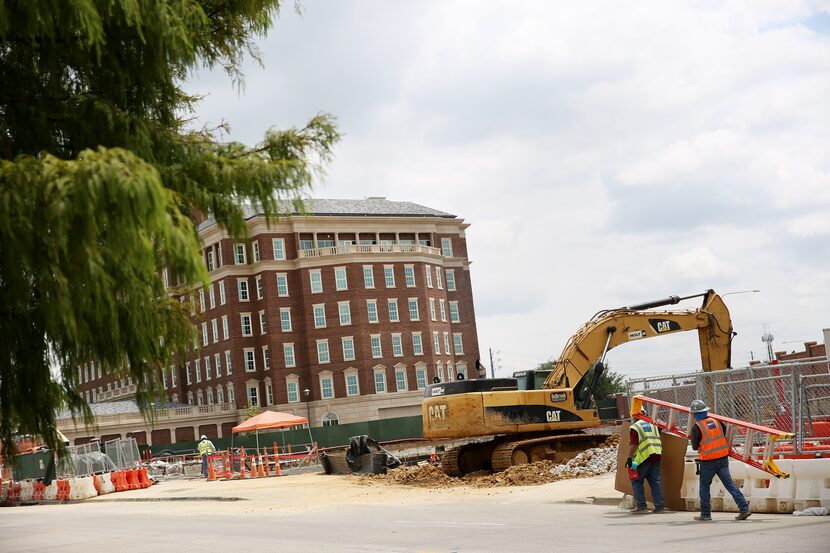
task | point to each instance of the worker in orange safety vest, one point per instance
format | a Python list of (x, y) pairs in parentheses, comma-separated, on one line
[(708, 437)]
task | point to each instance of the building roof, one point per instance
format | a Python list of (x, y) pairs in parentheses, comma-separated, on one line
[(368, 207), (114, 408)]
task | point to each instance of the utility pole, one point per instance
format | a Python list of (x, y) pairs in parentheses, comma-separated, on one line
[(492, 366)]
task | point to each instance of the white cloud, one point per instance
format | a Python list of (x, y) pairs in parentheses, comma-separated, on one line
[(698, 263)]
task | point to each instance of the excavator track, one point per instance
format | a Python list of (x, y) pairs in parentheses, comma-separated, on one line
[(559, 448), (467, 458)]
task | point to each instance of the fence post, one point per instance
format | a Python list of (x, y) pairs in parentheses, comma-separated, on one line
[(793, 388)]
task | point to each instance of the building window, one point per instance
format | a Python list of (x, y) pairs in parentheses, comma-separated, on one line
[(231, 393), (393, 311), (414, 315), (247, 330), (204, 334), (438, 280), (199, 399), (417, 344), (428, 275), (352, 385), (451, 280), (225, 329), (202, 300), (210, 396), (458, 345), (446, 247), (377, 351), (306, 245), (323, 351), (432, 309), (242, 288), (409, 275), (211, 297), (208, 369), (220, 395), (282, 285), (461, 370), (288, 355), (348, 348), (316, 281), (266, 358), (389, 276), (188, 377), (250, 360), (269, 393), (192, 306), (454, 318), (198, 367), (436, 343), (222, 298), (255, 245), (293, 389), (228, 368), (189, 397), (285, 319), (439, 371), (174, 371), (397, 346), (447, 343), (164, 379), (259, 289), (368, 276), (340, 281), (400, 379), (210, 260), (319, 315), (263, 324), (215, 328), (326, 386), (372, 310), (330, 419), (217, 360), (442, 307), (240, 256), (278, 244), (345, 313), (380, 381), (253, 395), (420, 376)]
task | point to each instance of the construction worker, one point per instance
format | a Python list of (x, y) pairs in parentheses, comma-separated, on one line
[(644, 455), (206, 447), (708, 437)]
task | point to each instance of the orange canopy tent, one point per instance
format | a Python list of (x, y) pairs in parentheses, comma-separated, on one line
[(268, 420)]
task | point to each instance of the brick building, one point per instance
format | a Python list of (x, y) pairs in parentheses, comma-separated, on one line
[(342, 314)]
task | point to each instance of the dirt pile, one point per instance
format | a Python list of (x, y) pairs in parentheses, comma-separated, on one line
[(592, 462)]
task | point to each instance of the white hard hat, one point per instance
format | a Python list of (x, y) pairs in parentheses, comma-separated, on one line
[(203, 437)]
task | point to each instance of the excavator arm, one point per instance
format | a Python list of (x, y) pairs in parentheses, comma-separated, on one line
[(610, 328)]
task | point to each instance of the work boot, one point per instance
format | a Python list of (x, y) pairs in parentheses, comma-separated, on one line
[(659, 510), (703, 517), (638, 510), (743, 515)]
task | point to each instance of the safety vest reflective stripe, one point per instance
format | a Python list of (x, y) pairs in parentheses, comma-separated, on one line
[(713, 444), (650, 444)]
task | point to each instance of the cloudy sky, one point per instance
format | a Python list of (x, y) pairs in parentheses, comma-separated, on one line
[(604, 153)]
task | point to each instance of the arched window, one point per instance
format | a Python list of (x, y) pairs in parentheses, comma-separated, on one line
[(330, 419)]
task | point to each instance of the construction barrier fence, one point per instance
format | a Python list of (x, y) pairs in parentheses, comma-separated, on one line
[(792, 397)]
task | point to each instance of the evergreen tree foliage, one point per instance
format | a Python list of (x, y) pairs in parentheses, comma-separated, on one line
[(99, 179), (610, 382)]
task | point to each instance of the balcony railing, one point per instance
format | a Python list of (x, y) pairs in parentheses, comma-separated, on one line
[(165, 415), (368, 249)]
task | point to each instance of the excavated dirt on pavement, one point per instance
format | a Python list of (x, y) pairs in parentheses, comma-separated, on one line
[(592, 462)]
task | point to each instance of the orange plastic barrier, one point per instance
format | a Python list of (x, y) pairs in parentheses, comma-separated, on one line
[(63, 490), (143, 478), (132, 479), (39, 489)]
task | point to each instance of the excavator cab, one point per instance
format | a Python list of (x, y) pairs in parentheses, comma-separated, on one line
[(531, 379)]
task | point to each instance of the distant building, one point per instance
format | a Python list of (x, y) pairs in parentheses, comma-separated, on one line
[(343, 314)]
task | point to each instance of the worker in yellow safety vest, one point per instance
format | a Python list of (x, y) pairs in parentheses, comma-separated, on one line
[(708, 437), (644, 453), (205, 448)]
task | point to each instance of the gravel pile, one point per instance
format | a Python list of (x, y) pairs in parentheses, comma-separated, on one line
[(592, 462)]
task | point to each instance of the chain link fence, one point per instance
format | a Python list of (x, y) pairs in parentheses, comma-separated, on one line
[(791, 397), (84, 460), (123, 452)]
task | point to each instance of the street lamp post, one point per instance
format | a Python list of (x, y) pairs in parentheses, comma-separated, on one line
[(740, 292), (307, 394)]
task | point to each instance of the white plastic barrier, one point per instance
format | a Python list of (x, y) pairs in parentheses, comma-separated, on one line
[(85, 488), (105, 483), (27, 489), (51, 491), (812, 485), (74, 489), (768, 494)]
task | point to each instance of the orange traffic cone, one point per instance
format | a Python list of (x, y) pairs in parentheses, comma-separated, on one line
[(226, 460), (242, 467), (277, 470), (211, 473)]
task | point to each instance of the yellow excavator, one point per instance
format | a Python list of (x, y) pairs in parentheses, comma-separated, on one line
[(526, 425)]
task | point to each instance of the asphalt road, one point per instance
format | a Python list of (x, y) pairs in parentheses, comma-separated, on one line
[(447, 526)]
